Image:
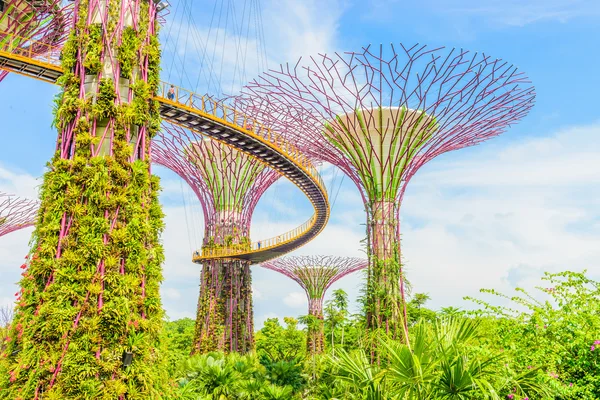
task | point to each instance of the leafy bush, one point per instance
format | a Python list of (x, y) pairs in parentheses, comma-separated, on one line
[(217, 376), (560, 335)]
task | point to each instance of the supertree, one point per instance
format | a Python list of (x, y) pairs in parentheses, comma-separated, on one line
[(16, 213), (88, 318), (379, 115), (315, 274), (33, 27), (228, 184)]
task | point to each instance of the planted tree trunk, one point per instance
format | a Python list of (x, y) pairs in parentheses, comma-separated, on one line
[(316, 335), (90, 291), (386, 309), (224, 319)]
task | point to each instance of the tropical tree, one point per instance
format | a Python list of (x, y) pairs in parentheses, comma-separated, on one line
[(276, 343), (557, 329), (419, 299), (443, 362), (450, 311), (336, 313), (416, 311)]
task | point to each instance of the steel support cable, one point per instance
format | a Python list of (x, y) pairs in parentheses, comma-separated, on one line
[(225, 32), (238, 37), (247, 39), (196, 38), (210, 26), (187, 38), (257, 33), (338, 191), (175, 54), (261, 30), (275, 186), (212, 61), (200, 45), (177, 41), (195, 217)]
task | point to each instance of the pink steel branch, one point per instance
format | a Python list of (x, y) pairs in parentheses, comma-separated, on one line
[(16, 213), (171, 149), (471, 96)]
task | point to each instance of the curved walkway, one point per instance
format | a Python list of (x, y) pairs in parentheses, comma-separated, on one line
[(228, 126)]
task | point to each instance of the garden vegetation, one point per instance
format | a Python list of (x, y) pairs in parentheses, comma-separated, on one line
[(543, 345)]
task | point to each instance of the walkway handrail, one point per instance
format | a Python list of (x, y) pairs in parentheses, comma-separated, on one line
[(230, 115), (254, 128), (27, 48), (265, 244), (215, 111)]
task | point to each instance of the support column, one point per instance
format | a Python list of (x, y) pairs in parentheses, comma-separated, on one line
[(224, 320), (385, 287), (89, 314), (315, 338)]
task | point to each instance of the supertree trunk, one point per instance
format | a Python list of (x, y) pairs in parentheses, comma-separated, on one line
[(315, 338), (89, 299), (224, 317), (386, 310), (211, 310), (228, 185), (239, 328)]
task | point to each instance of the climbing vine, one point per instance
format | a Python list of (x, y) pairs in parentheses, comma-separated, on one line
[(224, 318)]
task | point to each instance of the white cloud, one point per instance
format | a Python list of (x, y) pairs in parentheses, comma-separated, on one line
[(296, 300), (256, 294), (303, 28), (18, 183), (170, 293), (259, 320)]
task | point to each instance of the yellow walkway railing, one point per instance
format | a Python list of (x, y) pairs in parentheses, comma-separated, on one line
[(34, 54), (240, 122)]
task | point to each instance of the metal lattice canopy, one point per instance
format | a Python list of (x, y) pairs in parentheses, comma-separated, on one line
[(315, 274), (381, 113), (16, 213), (223, 179)]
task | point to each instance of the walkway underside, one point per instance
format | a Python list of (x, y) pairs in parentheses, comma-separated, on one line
[(234, 129)]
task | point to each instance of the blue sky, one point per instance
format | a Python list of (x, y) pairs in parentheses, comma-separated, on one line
[(495, 215)]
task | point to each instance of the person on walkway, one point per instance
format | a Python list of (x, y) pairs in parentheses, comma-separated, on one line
[(171, 93)]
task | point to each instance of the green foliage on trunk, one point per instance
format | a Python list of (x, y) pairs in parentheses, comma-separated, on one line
[(91, 295), (224, 315)]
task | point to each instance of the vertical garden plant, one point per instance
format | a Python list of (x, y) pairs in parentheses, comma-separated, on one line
[(89, 314)]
